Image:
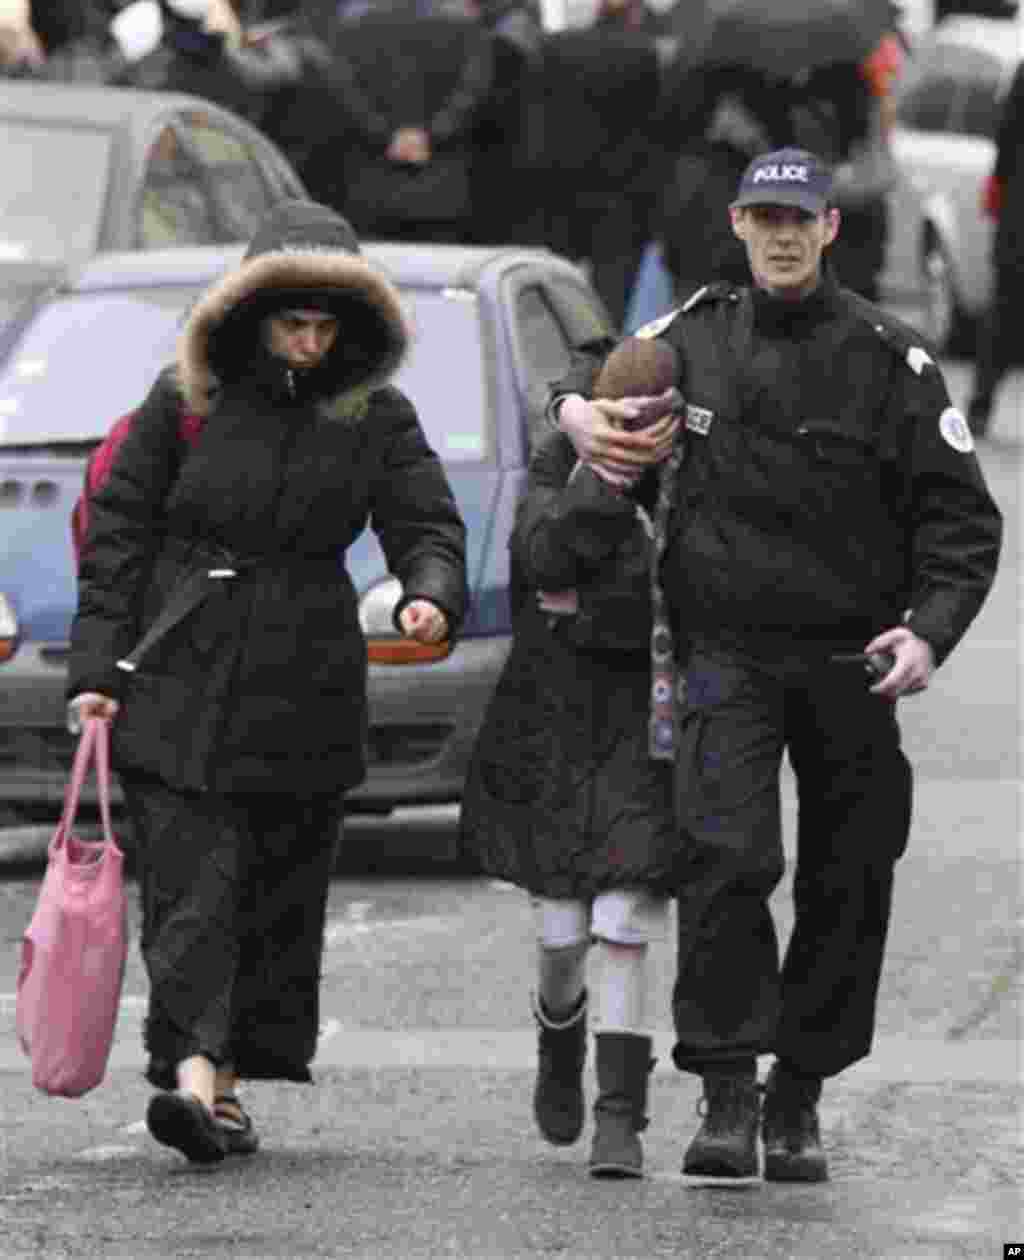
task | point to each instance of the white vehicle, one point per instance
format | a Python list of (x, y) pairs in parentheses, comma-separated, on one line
[(944, 147)]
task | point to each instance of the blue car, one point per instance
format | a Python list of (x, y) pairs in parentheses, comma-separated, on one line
[(492, 328)]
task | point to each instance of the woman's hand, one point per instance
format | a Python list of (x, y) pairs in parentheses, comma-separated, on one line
[(423, 621), (90, 704), (595, 430)]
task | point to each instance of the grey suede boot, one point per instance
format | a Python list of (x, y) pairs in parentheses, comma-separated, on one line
[(624, 1065), (561, 1053)]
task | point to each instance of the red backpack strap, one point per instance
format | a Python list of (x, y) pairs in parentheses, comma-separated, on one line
[(190, 426), (79, 526), (102, 459), (97, 469), (100, 462)]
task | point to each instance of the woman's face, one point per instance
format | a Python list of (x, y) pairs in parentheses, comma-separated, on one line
[(301, 338)]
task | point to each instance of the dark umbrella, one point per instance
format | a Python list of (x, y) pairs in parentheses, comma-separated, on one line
[(780, 37)]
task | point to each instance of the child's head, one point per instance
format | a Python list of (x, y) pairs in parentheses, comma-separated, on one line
[(642, 367), (638, 367)]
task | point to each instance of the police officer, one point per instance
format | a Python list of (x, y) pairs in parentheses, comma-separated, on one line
[(828, 504)]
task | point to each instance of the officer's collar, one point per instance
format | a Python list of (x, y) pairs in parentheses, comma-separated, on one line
[(784, 314)]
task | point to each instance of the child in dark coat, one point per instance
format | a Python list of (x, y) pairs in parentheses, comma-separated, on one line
[(562, 797)]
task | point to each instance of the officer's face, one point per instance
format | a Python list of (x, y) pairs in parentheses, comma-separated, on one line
[(784, 245)]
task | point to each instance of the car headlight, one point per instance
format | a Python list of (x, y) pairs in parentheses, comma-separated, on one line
[(8, 628), (384, 645)]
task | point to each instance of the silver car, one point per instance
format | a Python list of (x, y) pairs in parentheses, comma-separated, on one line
[(944, 147), (90, 169)]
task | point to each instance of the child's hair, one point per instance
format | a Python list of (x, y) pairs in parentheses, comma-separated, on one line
[(641, 367), (637, 367)]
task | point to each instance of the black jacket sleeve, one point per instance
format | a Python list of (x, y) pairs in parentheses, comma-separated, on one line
[(569, 522), (456, 116), (358, 109), (413, 512), (126, 524), (956, 526)]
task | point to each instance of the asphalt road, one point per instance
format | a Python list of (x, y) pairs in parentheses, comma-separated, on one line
[(417, 1141)]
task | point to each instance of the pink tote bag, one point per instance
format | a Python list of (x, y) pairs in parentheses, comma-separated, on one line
[(73, 951)]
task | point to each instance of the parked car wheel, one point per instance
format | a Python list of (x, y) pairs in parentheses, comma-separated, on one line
[(947, 324)]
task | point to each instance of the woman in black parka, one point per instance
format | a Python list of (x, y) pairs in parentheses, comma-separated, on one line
[(563, 798), (218, 629)]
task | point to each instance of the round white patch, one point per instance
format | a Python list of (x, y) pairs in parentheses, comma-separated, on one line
[(954, 430)]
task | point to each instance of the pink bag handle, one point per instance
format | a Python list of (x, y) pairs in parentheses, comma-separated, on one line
[(93, 745)]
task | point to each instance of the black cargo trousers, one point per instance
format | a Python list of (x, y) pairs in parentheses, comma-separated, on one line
[(746, 706)]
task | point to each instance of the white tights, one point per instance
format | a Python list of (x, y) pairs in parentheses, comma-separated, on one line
[(619, 925)]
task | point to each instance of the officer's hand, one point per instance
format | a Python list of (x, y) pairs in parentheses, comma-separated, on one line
[(915, 663), (409, 144), (423, 621), (595, 430)]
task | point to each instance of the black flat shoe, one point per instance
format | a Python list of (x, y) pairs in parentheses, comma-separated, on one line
[(183, 1121), (236, 1125)]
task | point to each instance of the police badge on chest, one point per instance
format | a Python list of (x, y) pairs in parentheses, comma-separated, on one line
[(698, 419)]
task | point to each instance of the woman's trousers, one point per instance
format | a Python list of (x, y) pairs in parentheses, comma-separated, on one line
[(234, 894)]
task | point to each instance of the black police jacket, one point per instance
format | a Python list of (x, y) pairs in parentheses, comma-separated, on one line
[(829, 490)]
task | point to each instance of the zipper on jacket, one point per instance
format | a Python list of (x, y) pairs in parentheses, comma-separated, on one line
[(291, 437), (289, 377)]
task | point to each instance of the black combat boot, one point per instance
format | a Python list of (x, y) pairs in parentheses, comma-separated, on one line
[(726, 1143), (789, 1128), (561, 1052), (624, 1064)]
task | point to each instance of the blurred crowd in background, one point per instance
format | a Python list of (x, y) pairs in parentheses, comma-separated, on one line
[(467, 120)]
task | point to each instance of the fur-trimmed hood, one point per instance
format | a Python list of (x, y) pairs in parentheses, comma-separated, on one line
[(304, 254)]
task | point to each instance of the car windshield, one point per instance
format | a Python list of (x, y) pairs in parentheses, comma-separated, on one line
[(52, 192), (87, 359)]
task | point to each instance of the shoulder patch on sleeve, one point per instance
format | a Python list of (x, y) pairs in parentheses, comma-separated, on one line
[(903, 343), (955, 431), (659, 325)]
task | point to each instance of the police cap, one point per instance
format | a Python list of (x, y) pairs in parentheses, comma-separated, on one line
[(786, 177)]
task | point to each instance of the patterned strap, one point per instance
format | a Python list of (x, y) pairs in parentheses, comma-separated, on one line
[(664, 680)]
